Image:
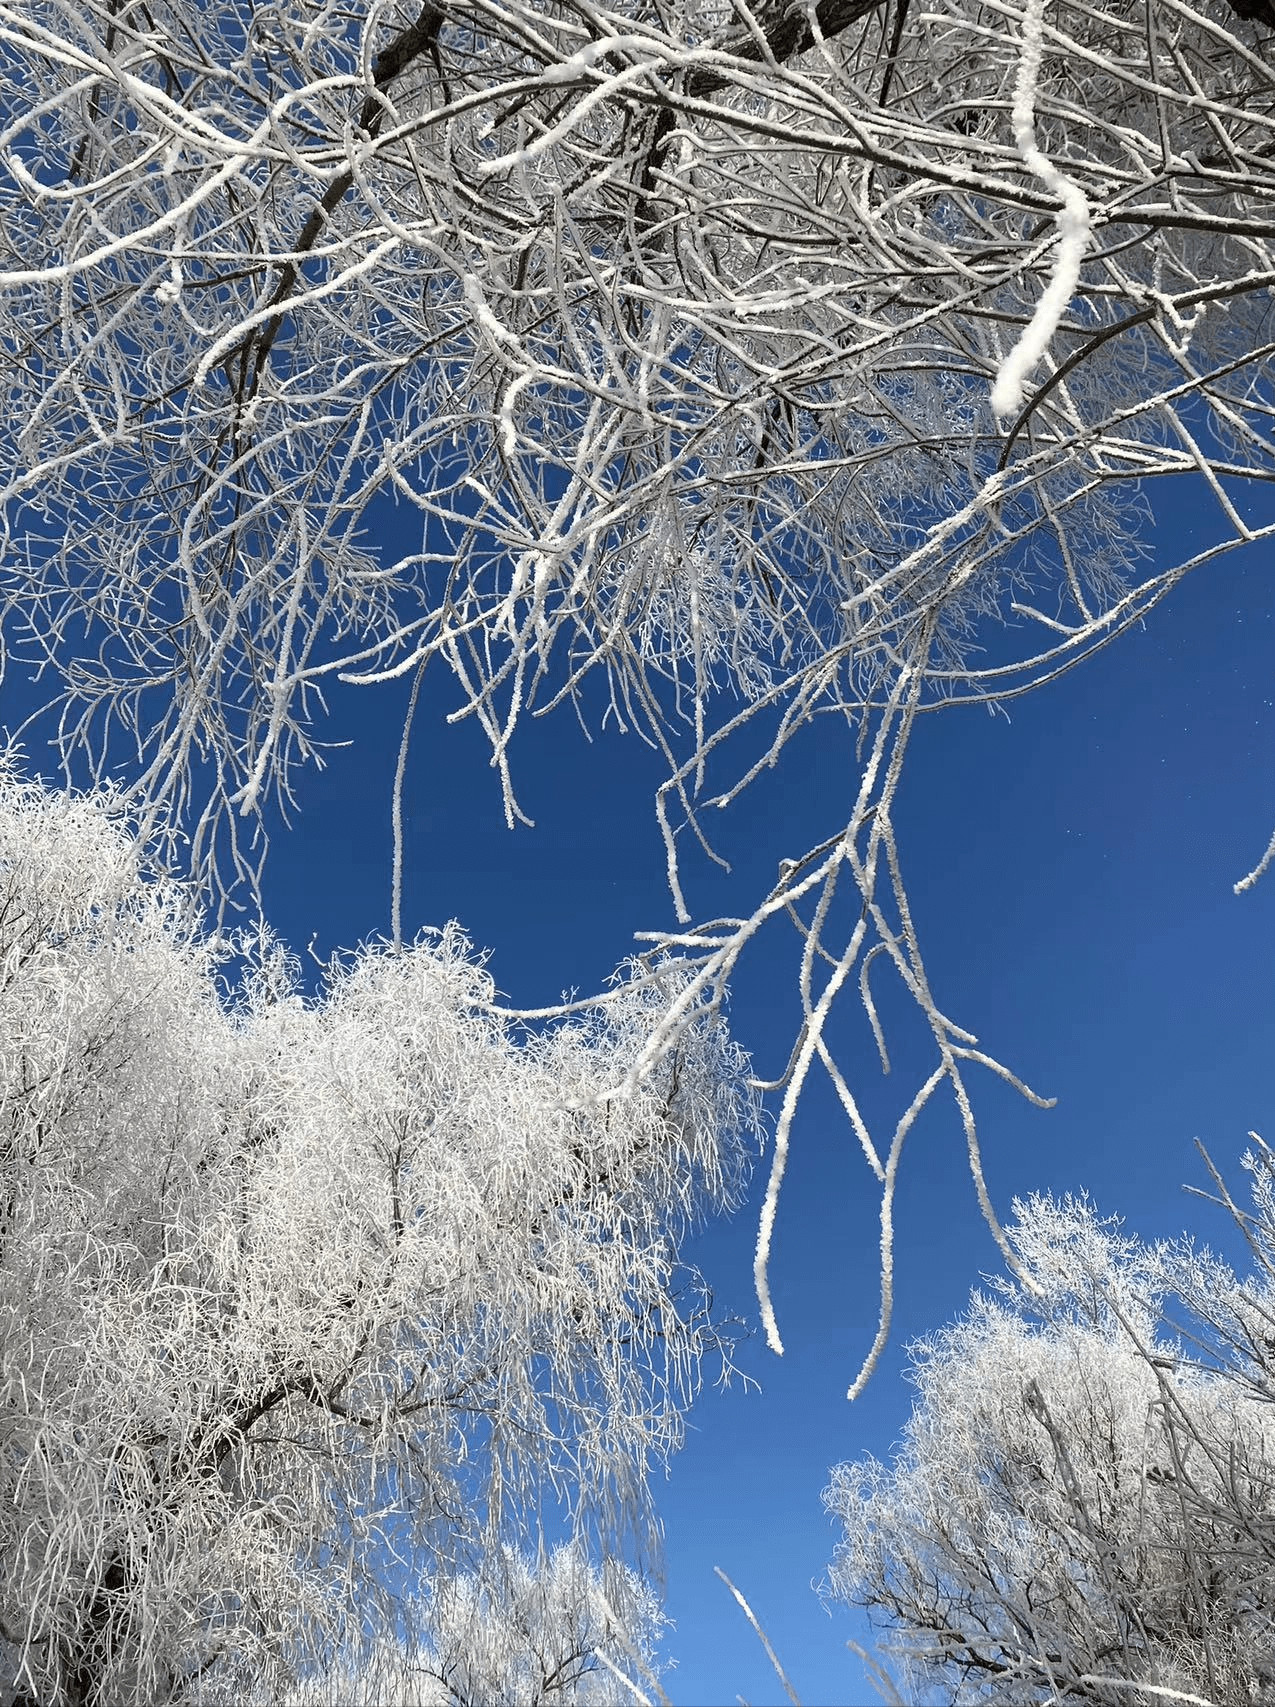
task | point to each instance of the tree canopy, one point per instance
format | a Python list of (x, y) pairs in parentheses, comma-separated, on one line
[(296, 1297), (753, 363), (523, 1633), (1079, 1509)]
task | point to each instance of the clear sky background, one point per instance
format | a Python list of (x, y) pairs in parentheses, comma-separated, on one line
[(1070, 872)]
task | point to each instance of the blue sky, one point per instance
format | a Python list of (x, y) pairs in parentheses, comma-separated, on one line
[(1070, 871)]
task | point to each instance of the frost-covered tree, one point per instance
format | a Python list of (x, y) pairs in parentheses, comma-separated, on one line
[(524, 1633), (746, 358), (292, 1290), (1083, 1504)]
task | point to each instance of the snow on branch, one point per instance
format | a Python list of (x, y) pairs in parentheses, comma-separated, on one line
[(1073, 226)]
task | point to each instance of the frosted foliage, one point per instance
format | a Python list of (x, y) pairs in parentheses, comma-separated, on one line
[(291, 1287), (1229, 1318), (530, 1635), (1074, 1264), (700, 611), (707, 364), (1078, 1509)]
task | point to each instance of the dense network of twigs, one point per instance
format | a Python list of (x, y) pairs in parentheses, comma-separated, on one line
[(1080, 1508), (301, 1300), (675, 325)]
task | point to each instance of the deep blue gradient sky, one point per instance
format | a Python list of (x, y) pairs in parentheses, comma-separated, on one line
[(1070, 872)]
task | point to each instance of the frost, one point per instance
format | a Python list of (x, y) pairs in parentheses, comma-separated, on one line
[(1073, 222), (269, 1261)]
